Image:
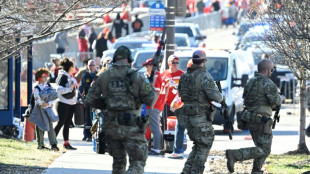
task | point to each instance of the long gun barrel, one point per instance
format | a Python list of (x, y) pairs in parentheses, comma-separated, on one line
[(276, 117), (225, 113), (156, 59)]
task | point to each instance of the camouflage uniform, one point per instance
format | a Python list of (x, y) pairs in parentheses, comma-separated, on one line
[(197, 89), (260, 96), (123, 126)]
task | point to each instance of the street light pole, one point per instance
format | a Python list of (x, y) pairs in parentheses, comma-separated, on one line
[(170, 25)]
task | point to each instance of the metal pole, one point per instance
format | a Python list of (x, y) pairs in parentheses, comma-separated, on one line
[(170, 25), (29, 71)]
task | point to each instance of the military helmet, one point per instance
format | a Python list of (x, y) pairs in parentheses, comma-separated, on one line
[(122, 52), (199, 54)]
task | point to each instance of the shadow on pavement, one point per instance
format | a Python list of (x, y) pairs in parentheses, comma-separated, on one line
[(89, 171)]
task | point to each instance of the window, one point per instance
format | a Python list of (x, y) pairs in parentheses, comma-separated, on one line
[(23, 83), (4, 87), (181, 42), (185, 30), (217, 67)]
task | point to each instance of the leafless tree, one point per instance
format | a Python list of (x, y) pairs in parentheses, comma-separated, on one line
[(24, 21), (289, 35)]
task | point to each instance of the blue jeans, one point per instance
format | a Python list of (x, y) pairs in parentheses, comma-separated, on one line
[(179, 138)]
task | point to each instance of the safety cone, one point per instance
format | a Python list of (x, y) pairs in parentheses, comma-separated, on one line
[(29, 128)]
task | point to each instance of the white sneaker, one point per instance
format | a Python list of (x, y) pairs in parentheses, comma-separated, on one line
[(176, 156)]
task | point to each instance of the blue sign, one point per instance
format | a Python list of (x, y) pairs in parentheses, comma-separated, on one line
[(157, 17)]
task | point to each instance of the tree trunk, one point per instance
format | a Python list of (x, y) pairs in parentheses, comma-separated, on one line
[(302, 147)]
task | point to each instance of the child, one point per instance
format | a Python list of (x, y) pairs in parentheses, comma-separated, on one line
[(42, 117)]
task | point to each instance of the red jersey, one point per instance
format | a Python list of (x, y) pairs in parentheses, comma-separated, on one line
[(171, 81), (160, 102)]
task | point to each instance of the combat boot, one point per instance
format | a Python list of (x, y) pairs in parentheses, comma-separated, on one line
[(230, 160)]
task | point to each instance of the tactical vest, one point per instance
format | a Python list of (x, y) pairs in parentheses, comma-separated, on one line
[(120, 93), (254, 94), (192, 91)]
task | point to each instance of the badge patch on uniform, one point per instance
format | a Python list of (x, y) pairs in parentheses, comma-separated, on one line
[(87, 80)]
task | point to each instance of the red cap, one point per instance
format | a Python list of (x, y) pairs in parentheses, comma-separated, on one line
[(148, 62), (172, 57)]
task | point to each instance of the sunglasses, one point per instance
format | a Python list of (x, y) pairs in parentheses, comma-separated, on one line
[(175, 63), (91, 65)]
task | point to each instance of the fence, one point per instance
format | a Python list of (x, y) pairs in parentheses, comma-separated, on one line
[(44, 48), (289, 89)]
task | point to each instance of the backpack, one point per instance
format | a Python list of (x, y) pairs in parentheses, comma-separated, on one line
[(32, 102)]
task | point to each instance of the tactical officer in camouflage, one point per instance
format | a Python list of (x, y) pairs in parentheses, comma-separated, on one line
[(197, 89), (260, 96), (124, 90)]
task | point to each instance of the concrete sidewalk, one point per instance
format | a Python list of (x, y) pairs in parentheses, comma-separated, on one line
[(85, 161)]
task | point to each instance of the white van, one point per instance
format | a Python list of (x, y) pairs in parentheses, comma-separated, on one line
[(233, 78)]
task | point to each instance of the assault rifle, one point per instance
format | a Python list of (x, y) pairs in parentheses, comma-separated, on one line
[(156, 57), (224, 112), (276, 117)]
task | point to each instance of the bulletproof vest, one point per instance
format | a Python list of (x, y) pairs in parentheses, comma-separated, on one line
[(254, 94), (192, 90), (88, 80), (120, 93)]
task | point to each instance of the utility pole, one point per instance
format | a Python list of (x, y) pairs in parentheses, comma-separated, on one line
[(170, 25)]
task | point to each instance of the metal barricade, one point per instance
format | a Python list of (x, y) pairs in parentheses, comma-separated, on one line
[(290, 86), (79, 57)]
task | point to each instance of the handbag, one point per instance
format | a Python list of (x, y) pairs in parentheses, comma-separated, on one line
[(79, 111)]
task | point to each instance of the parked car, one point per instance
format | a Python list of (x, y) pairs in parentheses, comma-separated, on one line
[(193, 32), (181, 40), (244, 27), (141, 55), (132, 43)]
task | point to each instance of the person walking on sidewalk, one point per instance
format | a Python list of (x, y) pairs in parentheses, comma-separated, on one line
[(61, 40), (171, 78), (260, 96), (123, 90), (197, 89), (66, 90), (154, 111), (42, 121), (87, 79)]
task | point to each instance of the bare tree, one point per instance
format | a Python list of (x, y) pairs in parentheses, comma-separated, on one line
[(289, 35), (24, 21)]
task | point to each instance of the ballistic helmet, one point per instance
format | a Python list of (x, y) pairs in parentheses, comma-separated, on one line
[(199, 55), (122, 52)]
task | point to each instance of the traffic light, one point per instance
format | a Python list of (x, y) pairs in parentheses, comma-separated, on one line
[(180, 8)]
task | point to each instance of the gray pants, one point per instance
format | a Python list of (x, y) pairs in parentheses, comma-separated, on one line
[(154, 123), (51, 136)]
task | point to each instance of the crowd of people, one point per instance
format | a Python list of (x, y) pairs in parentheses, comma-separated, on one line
[(125, 90)]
